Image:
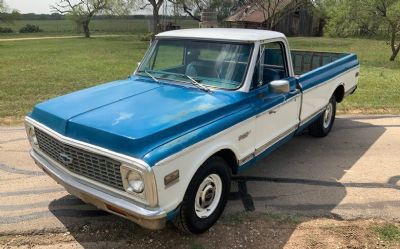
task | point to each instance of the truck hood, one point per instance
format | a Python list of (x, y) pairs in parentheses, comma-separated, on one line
[(135, 116)]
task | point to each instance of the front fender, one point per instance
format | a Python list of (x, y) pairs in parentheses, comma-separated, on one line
[(190, 159)]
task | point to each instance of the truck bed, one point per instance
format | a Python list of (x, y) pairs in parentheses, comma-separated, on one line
[(305, 61), (314, 68), (319, 74)]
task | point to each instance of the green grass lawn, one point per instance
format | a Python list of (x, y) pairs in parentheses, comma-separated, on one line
[(33, 71)]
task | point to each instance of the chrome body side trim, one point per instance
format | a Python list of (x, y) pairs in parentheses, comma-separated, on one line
[(266, 146), (246, 159), (350, 91), (304, 121), (149, 218)]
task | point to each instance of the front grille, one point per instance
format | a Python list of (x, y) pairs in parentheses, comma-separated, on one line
[(81, 162)]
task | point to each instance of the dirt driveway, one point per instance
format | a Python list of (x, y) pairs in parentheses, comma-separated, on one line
[(352, 174)]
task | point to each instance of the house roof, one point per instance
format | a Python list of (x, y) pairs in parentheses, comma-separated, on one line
[(255, 14), (222, 34)]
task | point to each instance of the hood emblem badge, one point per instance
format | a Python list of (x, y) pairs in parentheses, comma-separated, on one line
[(65, 159)]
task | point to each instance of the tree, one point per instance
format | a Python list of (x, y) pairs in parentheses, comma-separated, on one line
[(389, 11), (194, 8), (3, 11), (365, 18), (82, 11), (350, 18), (5, 14), (275, 10), (155, 5)]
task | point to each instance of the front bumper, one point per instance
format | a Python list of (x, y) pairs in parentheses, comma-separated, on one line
[(148, 218)]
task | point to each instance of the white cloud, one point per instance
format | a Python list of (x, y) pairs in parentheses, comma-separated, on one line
[(43, 6), (31, 6)]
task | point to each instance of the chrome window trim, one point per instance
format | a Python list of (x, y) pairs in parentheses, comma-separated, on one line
[(151, 197)]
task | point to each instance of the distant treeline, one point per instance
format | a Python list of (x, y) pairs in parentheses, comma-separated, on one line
[(56, 16)]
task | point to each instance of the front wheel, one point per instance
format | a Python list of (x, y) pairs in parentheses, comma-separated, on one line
[(205, 198), (323, 125)]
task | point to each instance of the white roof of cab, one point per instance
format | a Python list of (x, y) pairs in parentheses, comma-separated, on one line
[(223, 34)]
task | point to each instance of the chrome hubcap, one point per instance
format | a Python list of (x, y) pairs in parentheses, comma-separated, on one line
[(328, 115), (208, 196)]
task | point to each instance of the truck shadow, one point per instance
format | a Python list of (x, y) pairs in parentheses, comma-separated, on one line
[(303, 176), (300, 178)]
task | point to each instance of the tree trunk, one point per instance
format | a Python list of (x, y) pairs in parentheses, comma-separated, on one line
[(156, 20), (86, 29), (395, 51)]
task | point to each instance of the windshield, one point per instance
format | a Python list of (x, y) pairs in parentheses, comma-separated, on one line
[(213, 64)]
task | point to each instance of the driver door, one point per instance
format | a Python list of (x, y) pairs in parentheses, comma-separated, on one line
[(277, 113)]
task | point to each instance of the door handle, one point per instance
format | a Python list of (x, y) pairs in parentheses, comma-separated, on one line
[(272, 111)]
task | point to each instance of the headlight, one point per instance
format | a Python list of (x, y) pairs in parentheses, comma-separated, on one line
[(32, 136), (140, 183), (135, 182)]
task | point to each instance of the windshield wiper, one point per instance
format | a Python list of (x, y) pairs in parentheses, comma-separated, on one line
[(197, 84), (150, 75)]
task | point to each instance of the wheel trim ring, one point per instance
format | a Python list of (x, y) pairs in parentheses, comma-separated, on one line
[(328, 115), (204, 208)]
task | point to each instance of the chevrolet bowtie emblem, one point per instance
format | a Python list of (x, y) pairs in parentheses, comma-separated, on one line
[(65, 159)]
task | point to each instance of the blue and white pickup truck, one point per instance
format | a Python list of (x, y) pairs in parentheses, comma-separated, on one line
[(203, 105)]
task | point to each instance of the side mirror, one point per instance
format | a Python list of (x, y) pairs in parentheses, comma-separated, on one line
[(280, 86)]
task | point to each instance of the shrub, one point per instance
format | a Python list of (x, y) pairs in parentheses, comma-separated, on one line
[(6, 30), (30, 28), (145, 37)]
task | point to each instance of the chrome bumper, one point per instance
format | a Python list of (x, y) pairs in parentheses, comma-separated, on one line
[(148, 218)]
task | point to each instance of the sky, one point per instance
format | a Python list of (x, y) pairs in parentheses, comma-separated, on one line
[(39, 6), (31, 6)]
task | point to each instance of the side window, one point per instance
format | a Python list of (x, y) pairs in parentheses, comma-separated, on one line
[(169, 55), (271, 64)]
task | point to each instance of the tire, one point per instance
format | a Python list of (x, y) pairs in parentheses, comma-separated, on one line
[(199, 212), (323, 125)]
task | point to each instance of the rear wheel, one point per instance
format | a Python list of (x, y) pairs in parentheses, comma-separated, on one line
[(323, 125), (205, 198)]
